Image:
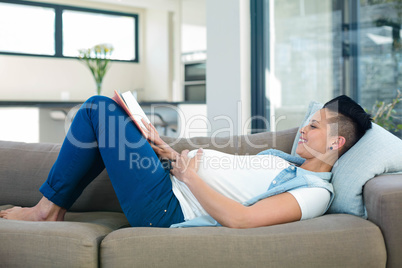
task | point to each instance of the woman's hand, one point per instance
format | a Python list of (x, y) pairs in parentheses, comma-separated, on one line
[(161, 148), (184, 168)]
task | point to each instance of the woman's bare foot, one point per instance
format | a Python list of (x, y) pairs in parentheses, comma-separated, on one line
[(45, 210)]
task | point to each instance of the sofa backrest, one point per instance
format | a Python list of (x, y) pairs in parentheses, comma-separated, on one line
[(245, 144), (25, 166)]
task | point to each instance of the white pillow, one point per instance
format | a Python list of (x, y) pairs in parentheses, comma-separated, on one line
[(377, 152)]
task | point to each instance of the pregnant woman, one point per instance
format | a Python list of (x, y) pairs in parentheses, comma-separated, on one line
[(203, 187)]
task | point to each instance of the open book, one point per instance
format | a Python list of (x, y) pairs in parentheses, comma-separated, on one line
[(127, 101)]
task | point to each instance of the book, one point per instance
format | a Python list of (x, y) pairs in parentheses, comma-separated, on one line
[(130, 105)]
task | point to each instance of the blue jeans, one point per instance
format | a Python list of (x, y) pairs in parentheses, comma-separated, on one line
[(102, 135)]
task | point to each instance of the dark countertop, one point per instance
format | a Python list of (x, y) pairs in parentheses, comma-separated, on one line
[(40, 104), (70, 104)]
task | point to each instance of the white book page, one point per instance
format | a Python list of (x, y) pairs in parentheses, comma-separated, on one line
[(134, 108)]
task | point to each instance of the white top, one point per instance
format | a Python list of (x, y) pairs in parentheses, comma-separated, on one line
[(242, 177)]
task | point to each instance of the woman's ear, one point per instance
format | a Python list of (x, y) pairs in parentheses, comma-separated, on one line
[(339, 143)]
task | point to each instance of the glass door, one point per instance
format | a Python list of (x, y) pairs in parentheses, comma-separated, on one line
[(380, 61), (320, 49), (305, 57)]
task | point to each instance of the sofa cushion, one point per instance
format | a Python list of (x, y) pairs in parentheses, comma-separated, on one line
[(377, 152), (328, 241), (72, 243)]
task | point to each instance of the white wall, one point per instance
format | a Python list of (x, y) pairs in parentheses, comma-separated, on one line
[(228, 66), (40, 78), (194, 12), (194, 28), (157, 74)]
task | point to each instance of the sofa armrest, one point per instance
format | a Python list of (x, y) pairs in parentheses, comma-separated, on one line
[(383, 200)]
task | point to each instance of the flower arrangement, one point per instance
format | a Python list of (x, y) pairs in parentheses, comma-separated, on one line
[(97, 59)]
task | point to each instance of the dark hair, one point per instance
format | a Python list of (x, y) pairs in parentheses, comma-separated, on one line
[(353, 120)]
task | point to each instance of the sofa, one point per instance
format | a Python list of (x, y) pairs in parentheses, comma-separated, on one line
[(95, 232)]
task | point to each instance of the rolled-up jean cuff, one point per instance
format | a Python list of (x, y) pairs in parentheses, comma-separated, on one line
[(54, 197)]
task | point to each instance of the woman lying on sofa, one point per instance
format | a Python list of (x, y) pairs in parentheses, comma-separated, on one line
[(201, 187)]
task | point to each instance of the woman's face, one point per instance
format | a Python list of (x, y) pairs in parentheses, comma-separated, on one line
[(315, 139)]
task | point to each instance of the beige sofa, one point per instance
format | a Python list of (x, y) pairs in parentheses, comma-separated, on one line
[(96, 233)]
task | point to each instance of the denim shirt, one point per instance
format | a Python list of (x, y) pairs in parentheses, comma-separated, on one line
[(290, 178)]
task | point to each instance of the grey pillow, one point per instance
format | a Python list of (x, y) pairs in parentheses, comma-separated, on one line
[(377, 152)]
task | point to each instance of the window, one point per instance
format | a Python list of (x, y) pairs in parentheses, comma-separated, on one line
[(315, 50), (77, 25), (27, 29), (40, 29)]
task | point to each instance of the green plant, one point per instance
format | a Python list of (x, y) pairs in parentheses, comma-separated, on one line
[(384, 114), (97, 59)]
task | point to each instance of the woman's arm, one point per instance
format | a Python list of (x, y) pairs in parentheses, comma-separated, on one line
[(277, 209), (161, 148)]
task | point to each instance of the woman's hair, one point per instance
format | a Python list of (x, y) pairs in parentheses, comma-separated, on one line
[(352, 121)]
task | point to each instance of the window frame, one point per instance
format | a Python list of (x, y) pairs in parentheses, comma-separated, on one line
[(259, 64), (58, 35)]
